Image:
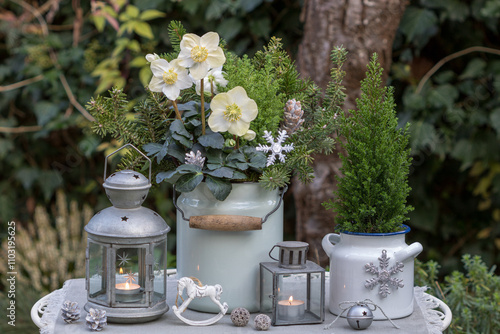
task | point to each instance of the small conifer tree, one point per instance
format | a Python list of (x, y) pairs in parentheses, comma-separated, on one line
[(371, 195)]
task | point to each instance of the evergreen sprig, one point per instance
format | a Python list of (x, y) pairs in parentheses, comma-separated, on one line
[(371, 195)]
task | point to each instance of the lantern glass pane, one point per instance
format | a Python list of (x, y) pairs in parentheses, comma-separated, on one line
[(130, 275), (315, 305), (160, 271), (266, 290), (97, 272)]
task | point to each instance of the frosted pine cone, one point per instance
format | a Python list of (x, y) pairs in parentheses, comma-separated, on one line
[(293, 116), (195, 159), (96, 319), (240, 317), (262, 322), (70, 311)]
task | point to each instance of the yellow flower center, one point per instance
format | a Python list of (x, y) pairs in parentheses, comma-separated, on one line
[(199, 54), (232, 113), (170, 77)]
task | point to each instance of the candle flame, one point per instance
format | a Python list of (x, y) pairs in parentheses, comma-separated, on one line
[(290, 300), (121, 270), (127, 286)]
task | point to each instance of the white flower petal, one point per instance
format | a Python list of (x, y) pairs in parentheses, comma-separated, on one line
[(216, 58), (172, 92), (220, 101), (250, 135), (199, 70), (184, 81), (249, 110), (238, 128), (217, 123), (156, 84), (189, 41), (159, 66), (210, 41)]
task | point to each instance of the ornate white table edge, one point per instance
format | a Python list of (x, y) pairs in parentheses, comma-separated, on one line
[(437, 314)]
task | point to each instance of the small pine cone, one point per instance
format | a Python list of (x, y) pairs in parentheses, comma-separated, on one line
[(195, 159), (262, 322), (293, 116), (240, 317), (96, 319), (70, 311)]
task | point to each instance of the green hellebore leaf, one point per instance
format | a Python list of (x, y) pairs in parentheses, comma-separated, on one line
[(218, 187), (171, 176), (188, 182), (213, 140), (225, 172), (188, 168)]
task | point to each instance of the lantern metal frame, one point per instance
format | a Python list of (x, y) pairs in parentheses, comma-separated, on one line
[(127, 225), (314, 310)]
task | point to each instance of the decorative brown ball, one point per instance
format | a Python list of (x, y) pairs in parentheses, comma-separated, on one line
[(262, 322), (240, 316)]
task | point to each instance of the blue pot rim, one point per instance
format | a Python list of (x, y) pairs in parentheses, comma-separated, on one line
[(406, 230)]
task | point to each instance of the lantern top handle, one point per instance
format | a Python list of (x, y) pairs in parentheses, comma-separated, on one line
[(121, 148)]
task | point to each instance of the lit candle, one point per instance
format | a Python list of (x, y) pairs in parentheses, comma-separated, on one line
[(128, 291), (291, 309)]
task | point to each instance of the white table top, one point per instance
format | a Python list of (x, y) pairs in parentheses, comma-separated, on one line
[(46, 313)]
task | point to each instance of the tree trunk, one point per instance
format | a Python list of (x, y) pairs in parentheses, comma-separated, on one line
[(362, 27)]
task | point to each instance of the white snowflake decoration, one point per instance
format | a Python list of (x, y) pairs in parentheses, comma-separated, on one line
[(275, 148), (383, 275), (123, 259)]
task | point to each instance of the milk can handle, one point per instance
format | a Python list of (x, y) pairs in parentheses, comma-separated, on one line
[(135, 148), (226, 222)]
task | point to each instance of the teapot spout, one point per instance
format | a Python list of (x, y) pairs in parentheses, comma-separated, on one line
[(409, 252)]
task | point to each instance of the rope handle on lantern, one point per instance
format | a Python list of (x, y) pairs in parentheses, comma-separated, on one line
[(228, 222), (366, 302), (121, 148)]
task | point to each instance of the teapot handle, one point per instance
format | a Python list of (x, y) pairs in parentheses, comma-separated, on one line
[(409, 252), (329, 242)]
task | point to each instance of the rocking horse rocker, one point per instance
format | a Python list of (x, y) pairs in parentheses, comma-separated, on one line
[(197, 290)]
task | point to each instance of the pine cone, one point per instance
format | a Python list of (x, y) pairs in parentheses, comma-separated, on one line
[(195, 159), (70, 311), (293, 116), (96, 319)]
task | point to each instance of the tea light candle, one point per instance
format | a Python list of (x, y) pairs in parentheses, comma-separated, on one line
[(291, 309), (127, 288)]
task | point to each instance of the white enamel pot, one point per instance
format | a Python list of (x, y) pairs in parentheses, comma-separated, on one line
[(223, 242), (375, 266)]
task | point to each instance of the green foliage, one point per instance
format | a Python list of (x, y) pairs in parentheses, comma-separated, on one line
[(270, 79), (371, 195), (473, 296), (455, 131)]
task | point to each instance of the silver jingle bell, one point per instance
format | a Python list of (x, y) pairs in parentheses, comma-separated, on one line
[(359, 316)]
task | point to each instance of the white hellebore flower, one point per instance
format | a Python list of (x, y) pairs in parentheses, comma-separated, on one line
[(250, 135), (214, 77), (232, 112), (169, 78), (200, 54), (150, 57)]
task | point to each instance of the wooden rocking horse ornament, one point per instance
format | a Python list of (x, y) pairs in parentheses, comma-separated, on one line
[(197, 290)]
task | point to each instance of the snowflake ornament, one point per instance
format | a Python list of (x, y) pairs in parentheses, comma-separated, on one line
[(383, 275), (275, 148), (124, 259)]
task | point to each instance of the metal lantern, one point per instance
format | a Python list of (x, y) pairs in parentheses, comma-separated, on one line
[(292, 289), (126, 257)]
